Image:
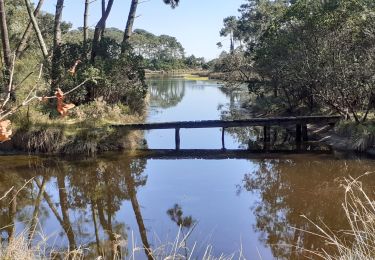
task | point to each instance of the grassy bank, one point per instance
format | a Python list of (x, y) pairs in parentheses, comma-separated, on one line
[(87, 130)]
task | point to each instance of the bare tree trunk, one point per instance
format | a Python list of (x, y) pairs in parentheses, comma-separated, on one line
[(26, 35), (99, 28), (34, 220), (56, 44), (65, 212), (130, 186), (5, 43), (129, 24), (103, 12), (36, 29), (12, 215), (85, 21), (97, 239)]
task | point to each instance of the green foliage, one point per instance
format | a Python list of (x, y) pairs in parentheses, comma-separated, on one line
[(311, 54), (159, 52), (361, 136)]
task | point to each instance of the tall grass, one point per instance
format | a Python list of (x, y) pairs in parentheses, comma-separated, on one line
[(359, 241)]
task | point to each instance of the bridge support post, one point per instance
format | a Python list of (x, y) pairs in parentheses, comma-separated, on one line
[(223, 138), (298, 133), (266, 133), (177, 138), (305, 137)]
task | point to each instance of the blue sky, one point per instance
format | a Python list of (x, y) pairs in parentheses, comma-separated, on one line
[(195, 23)]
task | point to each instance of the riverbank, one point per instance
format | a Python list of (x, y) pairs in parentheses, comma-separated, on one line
[(87, 131), (172, 73)]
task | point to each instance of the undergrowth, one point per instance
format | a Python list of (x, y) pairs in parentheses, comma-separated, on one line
[(361, 136), (87, 130)]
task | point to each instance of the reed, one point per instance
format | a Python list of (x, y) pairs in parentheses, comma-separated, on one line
[(359, 241)]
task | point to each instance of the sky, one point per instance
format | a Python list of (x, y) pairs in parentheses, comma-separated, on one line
[(195, 23)]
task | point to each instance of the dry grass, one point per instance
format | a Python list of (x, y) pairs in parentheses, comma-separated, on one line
[(359, 241)]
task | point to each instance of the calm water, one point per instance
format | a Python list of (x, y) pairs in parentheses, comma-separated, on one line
[(111, 202)]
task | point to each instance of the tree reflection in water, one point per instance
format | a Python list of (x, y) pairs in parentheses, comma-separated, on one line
[(166, 93), (89, 195), (185, 223), (289, 188)]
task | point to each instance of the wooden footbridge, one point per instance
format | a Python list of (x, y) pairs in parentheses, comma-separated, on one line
[(300, 123)]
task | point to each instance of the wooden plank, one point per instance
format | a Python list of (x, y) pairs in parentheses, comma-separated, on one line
[(233, 123)]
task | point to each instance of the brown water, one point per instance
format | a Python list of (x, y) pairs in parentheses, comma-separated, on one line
[(109, 203)]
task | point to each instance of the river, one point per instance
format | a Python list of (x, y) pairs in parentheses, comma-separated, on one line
[(115, 202)]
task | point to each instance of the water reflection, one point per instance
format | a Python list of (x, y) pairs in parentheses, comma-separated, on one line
[(81, 201), (90, 192), (166, 93), (291, 188)]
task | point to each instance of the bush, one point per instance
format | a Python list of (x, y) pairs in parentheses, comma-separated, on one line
[(362, 136)]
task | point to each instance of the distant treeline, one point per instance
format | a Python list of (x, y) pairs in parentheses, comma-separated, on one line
[(161, 52)]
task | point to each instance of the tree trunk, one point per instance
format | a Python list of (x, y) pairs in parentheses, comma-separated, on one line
[(26, 35), (55, 74), (36, 29), (65, 212), (231, 43), (97, 239), (103, 12), (130, 186), (12, 215), (34, 220), (129, 25), (5, 44), (99, 28), (85, 22)]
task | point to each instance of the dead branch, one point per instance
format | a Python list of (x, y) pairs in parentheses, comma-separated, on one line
[(10, 84)]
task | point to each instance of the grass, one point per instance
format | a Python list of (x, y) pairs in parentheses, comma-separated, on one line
[(359, 241), (18, 248), (195, 77), (87, 130)]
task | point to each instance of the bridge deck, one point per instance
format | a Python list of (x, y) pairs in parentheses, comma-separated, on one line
[(300, 123)]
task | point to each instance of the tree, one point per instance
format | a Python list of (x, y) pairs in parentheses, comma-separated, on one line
[(5, 44), (230, 28), (26, 35), (85, 21), (99, 28), (131, 18), (35, 25), (57, 41), (129, 24)]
